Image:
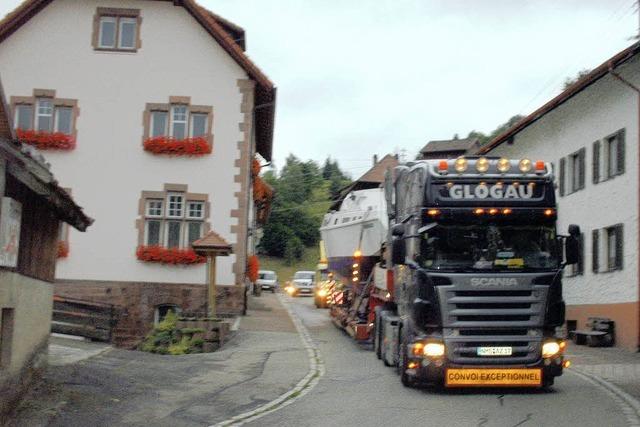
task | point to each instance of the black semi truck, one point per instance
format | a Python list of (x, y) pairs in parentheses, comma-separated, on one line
[(477, 272)]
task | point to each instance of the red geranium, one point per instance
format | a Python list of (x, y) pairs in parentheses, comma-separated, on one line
[(178, 147), (169, 255), (47, 140), (252, 268), (63, 249)]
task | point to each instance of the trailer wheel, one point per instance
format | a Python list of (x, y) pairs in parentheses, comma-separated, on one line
[(377, 332)]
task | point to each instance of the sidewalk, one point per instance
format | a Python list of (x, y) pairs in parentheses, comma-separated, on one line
[(118, 387), (619, 367)]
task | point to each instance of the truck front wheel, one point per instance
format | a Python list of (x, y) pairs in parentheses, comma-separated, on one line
[(403, 362)]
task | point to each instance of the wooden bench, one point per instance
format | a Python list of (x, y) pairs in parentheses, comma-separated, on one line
[(599, 333)]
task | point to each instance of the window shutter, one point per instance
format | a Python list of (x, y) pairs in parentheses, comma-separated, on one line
[(596, 162), (595, 249), (619, 246), (580, 265), (582, 162), (621, 147), (561, 177)]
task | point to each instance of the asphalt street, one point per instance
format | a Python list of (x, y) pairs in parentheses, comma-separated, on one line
[(357, 389)]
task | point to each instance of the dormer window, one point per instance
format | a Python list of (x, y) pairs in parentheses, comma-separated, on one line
[(117, 29)]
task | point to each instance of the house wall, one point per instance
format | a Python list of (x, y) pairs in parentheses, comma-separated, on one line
[(109, 169), (595, 113), (25, 339)]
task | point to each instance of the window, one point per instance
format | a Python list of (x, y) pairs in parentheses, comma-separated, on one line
[(178, 120), (615, 154), (45, 113), (127, 33), (158, 123), (614, 247), (108, 32), (198, 125), (578, 269), (196, 210), (64, 117), (173, 218), (608, 245), (7, 316), (175, 206), (577, 170), (24, 117), (117, 29)]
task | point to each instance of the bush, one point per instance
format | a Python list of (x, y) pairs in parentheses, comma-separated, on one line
[(166, 339), (294, 250)]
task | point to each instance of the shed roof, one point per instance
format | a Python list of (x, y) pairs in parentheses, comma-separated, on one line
[(212, 244), (228, 35)]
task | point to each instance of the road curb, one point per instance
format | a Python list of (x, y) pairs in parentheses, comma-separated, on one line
[(628, 404), (304, 386)]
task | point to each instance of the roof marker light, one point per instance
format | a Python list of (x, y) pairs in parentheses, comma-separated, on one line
[(482, 165), (443, 166), (504, 165), (506, 211), (478, 211), (549, 212), (493, 211), (460, 164), (433, 212), (525, 165)]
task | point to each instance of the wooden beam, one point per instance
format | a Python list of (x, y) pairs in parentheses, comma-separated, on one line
[(211, 294)]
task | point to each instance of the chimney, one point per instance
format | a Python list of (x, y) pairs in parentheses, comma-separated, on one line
[(375, 159)]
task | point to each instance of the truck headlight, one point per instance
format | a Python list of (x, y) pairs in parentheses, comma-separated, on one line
[(433, 349), (550, 349)]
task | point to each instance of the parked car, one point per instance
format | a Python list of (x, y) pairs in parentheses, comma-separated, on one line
[(301, 283), (267, 280)]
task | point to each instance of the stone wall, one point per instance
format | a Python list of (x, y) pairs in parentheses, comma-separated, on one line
[(136, 302)]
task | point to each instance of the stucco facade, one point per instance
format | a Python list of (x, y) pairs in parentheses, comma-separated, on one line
[(595, 113), (176, 59)]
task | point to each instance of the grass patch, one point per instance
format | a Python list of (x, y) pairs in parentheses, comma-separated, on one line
[(308, 262)]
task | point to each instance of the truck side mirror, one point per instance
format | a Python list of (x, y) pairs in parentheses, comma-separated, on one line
[(572, 245), (398, 251), (397, 230)]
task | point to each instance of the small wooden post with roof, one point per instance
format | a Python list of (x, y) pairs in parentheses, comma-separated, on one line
[(212, 245)]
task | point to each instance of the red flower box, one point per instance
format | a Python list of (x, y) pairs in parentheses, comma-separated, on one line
[(63, 249), (178, 147), (169, 255), (47, 140)]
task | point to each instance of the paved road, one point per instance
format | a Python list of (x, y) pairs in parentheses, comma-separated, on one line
[(358, 390)]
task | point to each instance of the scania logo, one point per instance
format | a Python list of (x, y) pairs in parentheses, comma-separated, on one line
[(494, 281)]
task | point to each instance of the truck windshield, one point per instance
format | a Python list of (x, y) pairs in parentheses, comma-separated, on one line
[(489, 247)]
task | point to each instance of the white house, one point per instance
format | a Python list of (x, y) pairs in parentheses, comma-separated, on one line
[(590, 133), (151, 113)]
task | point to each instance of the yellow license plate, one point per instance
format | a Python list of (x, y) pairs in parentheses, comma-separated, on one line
[(493, 377)]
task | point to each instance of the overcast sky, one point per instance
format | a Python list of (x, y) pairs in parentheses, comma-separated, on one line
[(360, 77)]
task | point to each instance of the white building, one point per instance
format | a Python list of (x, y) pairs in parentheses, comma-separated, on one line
[(590, 133), (124, 82)]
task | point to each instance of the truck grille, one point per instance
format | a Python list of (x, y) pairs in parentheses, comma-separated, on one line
[(474, 318)]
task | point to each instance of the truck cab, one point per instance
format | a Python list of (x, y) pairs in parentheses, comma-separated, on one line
[(477, 265)]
